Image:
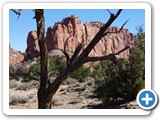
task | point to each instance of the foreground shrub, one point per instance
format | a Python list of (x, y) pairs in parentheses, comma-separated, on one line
[(120, 82)]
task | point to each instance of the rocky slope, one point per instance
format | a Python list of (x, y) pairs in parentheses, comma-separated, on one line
[(81, 32), (15, 56)]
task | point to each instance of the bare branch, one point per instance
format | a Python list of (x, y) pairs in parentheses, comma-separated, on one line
[(118, 13), (76, 52), (123, 25), (111, 57), (94, 59), (98, 36), (106, 33), (127, 46), (65, 44), (65, 52), (19, 12), (67, 56), (111, 14)]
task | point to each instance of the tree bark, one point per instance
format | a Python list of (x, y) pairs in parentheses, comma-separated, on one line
[(40, 20)]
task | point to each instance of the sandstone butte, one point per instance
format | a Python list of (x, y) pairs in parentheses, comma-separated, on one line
[(57, 35)]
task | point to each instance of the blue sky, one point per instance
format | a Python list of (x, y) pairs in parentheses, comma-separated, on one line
[(18, 29)]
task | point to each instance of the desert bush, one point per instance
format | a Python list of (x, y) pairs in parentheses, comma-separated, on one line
[(13, 84), (120, 82), (15, 99), (55, 102), (24, 86), (11, 69), (81, 74), (35, 84), (56, 65), (33, 72), (69, 81), (12, 72)]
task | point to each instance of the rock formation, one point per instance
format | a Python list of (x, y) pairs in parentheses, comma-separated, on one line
[(32, 45), (15, 56), (80, 32)]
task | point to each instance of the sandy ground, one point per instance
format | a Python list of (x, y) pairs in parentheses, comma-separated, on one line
[(72, 96)]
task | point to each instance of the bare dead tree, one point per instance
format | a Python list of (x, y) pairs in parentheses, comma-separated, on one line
[(44, 82), (47, 90)]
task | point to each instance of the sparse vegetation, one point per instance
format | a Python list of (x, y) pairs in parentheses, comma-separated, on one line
[(15, 99), (56, 65), (81, 74), (24, 86), (12, 72), (120, 82), (33, 72), (13, 84)]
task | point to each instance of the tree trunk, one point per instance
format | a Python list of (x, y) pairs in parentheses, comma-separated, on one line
[(44, 105), (44, 82)]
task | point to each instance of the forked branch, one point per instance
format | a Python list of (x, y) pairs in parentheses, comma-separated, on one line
[(111, 56), (19, 12), (99, 35), (108, 32)]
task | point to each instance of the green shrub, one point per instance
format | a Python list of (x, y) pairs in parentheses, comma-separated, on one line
[(56, 65), (12, 72), (33, 72), (80, 74), (117, 83)]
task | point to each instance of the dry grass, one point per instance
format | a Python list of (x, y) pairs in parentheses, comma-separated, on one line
[(13, 84), (13, 100), (23, 85), (17, 97)]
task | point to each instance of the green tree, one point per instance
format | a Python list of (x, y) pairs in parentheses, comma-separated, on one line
[(120, 82), (56, 65), (140, 37)]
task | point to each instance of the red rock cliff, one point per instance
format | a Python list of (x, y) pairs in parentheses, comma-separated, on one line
[(82, 32)]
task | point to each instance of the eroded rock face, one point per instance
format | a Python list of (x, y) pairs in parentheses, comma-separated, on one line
[(32, 45), (15, 56), (77, 32)]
